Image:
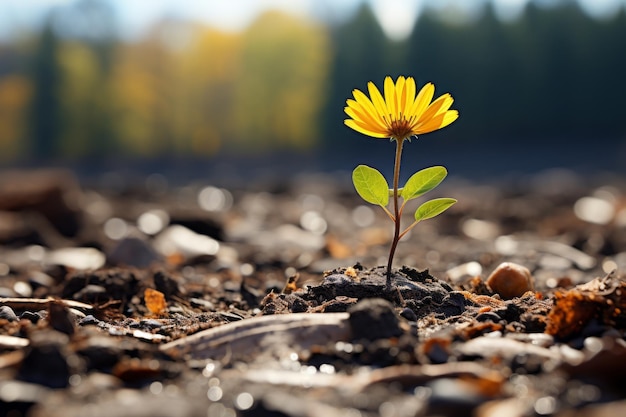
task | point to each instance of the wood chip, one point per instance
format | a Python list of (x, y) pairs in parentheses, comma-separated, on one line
[(274, 334), (41, 303)]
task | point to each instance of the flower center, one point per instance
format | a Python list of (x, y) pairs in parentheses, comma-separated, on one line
[(400, 129)]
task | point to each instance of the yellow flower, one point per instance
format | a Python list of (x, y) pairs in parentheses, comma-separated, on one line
[(401, 113)]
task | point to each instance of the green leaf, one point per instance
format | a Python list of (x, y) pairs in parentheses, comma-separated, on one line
[(433, 208), (371, 185), (423, 181)]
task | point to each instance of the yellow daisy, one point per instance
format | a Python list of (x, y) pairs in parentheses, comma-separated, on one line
[(401, 113)]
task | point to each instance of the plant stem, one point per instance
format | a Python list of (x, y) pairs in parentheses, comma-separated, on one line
[(396, 209)]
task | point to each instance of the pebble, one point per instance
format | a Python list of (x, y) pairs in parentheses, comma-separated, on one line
[(7, 292), (408, 314), (337, 279), (60, 318), (468, 269), (452, 397), (372, 319), (133, 251), (179, 239), (594, 210), (23, 289), (166, 284), (289, 236), (510, 280), (45, 362), (501, 347), (40, 279), (488, 316), (7, 313), (77, 258), (100, 353), (206, 304), (87, 320), (538, 339), (17, 397), (152, 324), (91, 293), (31, 316), (581, 259)]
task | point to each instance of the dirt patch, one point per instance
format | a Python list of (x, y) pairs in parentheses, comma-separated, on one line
[(272, 304)]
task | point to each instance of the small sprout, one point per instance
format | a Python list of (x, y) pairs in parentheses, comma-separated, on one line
[(399, 115)]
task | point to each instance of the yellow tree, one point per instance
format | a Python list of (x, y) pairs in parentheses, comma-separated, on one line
[(280, 91), (142, 90), (207, 76), (135, 95), (15, 95)]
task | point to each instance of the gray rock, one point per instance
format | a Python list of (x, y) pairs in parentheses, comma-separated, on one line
[(7, 313), (374, 319)]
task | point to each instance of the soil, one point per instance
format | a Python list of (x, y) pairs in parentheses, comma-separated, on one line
[(143, 299)]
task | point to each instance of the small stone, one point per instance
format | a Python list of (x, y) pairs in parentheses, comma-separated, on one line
[(337, 279), (77, 258), (89, 320), (40, 279), (133, 251), (510, 280), (60, 318), (488, 316), (166, 284), (372, 319), (7, 313), (30, 316), (91, 293), (453, 397), (408, 314), (17, 398), (23, 289), (152, 324), (45, 362)]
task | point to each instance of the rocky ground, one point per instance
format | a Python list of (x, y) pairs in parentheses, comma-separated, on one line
[(143, 299)]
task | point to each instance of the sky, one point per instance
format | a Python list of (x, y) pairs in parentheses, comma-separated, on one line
[(396, 16)]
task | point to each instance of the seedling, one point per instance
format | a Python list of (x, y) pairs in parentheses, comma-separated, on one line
[(398, 116)]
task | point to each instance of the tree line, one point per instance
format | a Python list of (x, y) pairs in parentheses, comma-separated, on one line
[(554, 74)]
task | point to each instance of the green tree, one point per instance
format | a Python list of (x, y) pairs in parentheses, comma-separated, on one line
[(360, 54), (43, 122)]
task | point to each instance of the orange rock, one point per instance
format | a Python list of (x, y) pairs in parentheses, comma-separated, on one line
[(510, 280), (155, 301)]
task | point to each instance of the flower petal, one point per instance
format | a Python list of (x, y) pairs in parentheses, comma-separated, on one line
[(421, 101), (398, 96), (449, 117), (378, 101), (364, 118), (441, 105), (390, 98), (368, 107), (408, 95), (364, 101), (353, 124), (438, 122)]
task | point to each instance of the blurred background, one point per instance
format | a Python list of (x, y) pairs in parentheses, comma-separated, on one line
[(252, 89)]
